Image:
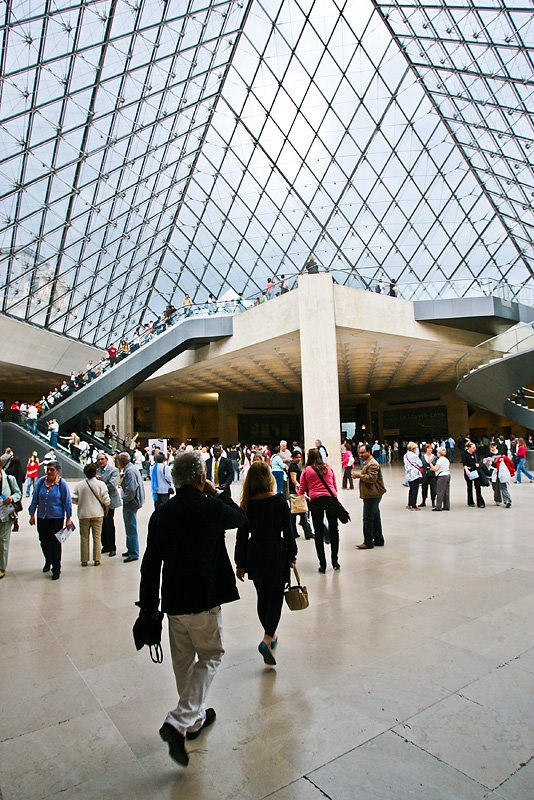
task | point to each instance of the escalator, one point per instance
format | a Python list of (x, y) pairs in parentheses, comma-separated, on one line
[(104, 391), (24, 442)]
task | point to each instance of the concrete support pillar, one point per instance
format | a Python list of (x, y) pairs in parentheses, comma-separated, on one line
[(318, 358), (227, 423), (121, 415)]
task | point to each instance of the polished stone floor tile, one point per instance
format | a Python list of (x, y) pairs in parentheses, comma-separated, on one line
[(302, 789), (41, 688), (252, 773), (520, 785), (448, 666), (151, 707), (94, 644), (410, 675), (30, 633), (389, 767), (526, 660), (509, 691), (58, 757), (473, 738), (125, 679), (128, 783), (389, 695), (504, 630)]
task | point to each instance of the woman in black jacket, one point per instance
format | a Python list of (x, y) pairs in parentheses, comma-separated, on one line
[(428, 480), (265, 548), (472, 478)]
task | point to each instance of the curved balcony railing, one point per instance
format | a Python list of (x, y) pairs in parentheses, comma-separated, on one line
[(514, 340), (495, 373)]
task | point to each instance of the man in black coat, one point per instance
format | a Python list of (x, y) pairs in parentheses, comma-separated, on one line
[(186, 538), (220, 470)]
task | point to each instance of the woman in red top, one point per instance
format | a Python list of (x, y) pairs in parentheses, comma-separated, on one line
[(32, 473), (521, 454), (312, 482)]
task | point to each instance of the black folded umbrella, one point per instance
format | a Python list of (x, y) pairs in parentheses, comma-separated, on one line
[(147, 630)]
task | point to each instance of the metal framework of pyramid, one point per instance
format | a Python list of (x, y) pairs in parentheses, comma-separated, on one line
[(150, 148)]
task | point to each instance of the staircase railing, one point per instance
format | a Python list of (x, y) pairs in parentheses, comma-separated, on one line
[(514, 340)]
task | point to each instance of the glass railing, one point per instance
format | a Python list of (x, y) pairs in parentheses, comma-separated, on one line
[(450, 290), (435, 289), (514, 340)]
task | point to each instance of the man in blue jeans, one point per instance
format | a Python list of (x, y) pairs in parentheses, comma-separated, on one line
[(371, 490), (133, 497), (53, 427)]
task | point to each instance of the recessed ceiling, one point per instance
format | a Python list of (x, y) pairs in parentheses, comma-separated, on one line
[(367, 362)]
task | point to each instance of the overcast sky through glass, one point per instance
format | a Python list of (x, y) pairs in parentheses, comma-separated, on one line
[(152, 148)]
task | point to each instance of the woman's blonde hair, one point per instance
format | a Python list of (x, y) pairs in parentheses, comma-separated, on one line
[(259, 480), (442, 451), (411, 446)]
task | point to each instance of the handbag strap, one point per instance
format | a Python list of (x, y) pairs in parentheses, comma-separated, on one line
[(95, 494), (297, 576), (324, 482)]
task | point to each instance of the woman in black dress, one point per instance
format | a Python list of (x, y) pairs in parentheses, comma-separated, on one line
[(265, 548)]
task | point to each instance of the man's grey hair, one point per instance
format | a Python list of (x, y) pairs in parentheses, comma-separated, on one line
[(188, 469)]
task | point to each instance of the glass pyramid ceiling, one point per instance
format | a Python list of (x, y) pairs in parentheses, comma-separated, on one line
[(155, 147)]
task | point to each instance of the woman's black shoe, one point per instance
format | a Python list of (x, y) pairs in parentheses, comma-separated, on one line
[(322, 570), (336, 565), (55, 576), (46, 568)]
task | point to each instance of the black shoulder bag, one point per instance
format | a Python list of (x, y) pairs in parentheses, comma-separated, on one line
[(147, 630), (341, 512)]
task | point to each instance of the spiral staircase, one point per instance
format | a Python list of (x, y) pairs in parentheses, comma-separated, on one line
[(497, 373)]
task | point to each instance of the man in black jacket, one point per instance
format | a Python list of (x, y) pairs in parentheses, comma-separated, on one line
[(186, 537), (220, 470)]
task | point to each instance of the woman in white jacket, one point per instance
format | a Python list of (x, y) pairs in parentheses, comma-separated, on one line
[(414, 470), (92, 499)]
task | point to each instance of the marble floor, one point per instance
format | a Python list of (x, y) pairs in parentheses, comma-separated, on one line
[(411, 675)]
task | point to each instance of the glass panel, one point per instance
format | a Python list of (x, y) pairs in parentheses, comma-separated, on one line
[(317, 136)]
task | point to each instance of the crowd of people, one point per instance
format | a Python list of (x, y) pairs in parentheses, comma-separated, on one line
[(128, 470), (186, 561), (497, 462)]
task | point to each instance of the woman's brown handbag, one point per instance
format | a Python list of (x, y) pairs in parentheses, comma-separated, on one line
[(298, 504), (296, 596)]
